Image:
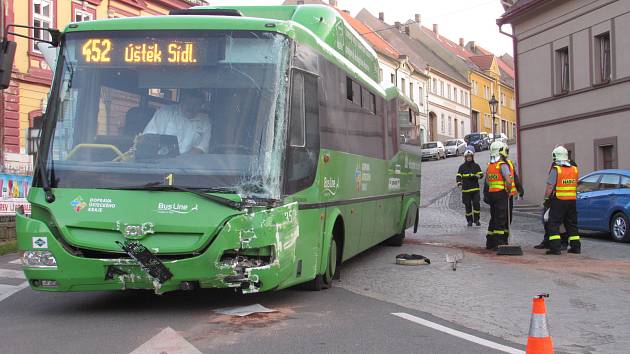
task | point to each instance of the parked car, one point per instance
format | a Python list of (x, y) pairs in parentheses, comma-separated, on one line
[(478, 141), (455, 147), (500, 137), (603, 203), (433, 150)]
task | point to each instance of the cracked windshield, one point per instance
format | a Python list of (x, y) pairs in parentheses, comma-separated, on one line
[(196, 109)]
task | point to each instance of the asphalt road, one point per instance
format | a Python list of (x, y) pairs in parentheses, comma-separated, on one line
[(330, 321)]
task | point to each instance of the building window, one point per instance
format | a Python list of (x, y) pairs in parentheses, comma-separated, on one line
[(442, 88), (486, 92), (603, 60), (421, 95), (450, 125), (442, 123), (462, 128), (380, 75), (563, 72), (466, 99), (43, 17), (502, 99), (34, 132), (605, 153), (448, 91), (392, 78), (461, 96), (81, 15), (402, 86), (411, 92), (435, 85)]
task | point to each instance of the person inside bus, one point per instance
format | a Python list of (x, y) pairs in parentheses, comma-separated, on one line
[(186, 120)]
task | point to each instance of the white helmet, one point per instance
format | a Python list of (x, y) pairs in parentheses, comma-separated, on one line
[(495, 150), (560, 153), (505, 150), (468, 152)]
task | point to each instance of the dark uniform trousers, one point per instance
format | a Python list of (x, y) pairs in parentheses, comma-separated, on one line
[(563, 212), (498, 219), (472, 204)]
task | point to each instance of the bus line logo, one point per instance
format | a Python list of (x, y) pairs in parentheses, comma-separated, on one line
[(78, 204), (176, 208)]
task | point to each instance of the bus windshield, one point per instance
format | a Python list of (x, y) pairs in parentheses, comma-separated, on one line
[(200, 109)]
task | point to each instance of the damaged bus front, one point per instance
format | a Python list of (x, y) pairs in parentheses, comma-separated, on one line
[(160, 164)]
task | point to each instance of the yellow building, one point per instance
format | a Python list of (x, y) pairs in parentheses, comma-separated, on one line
[(22, 104), (486, 81)]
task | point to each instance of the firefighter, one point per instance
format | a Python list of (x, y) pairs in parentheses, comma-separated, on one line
[(560, 197), (497, 184), (468, 177), (517, 187)]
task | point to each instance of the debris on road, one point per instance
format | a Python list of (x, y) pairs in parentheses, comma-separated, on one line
[(412, 259), (454, 259), (243, 311)]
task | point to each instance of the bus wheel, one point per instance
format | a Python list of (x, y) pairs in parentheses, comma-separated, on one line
[(325, 281), (396, 240)]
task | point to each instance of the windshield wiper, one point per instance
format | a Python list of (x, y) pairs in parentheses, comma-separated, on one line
[(43, 177), (201, 192)]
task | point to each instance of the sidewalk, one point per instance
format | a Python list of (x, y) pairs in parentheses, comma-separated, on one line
[(587, 309)]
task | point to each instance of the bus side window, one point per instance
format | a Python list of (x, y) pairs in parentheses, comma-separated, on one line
[(303, 147)]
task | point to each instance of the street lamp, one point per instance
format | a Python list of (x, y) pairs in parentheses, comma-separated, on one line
[(493, 109)]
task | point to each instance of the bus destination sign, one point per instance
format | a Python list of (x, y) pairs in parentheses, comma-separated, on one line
[(141, 51)]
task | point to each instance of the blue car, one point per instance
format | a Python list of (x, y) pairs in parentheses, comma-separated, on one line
[(603, 203)]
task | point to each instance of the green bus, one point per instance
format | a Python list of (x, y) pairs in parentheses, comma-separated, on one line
[(217, 147)]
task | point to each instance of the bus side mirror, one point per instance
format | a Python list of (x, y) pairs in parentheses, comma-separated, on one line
[(7, 55)]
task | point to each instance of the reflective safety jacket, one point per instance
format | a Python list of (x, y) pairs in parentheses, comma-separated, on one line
[(566, 182), (468, 175), (494, 177), (517, 187)]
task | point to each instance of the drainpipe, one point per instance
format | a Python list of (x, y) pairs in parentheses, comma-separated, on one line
[(518, 109)]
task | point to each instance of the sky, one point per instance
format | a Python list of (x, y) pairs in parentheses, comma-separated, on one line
[(474, 20)]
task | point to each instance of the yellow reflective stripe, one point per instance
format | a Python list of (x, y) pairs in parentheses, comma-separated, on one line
[(469, 214), (459, 174), (476, 212), (574, 238), (499, 232), (499, 184), (566, 188), (554, 237), (471, 190), (569, 194)]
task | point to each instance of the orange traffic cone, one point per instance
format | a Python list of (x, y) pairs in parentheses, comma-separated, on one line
[(539, 340)]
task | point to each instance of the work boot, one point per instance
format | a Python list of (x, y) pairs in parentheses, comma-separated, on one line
[(575, 250), (564, 246), (554, 252), (491, 242), (541, 246), (477, 223), (470, 223)]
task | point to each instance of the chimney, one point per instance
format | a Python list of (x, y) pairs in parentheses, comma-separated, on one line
[(398, 26), (461, 42), (381, 16), (435, 28), (473, 47), (417, 18), (407, 30), (333, 3)]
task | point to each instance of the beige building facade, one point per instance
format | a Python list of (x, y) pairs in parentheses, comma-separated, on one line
[(573, 79)]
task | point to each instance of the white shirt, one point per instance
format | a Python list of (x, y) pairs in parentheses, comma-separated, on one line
[(190, 132)]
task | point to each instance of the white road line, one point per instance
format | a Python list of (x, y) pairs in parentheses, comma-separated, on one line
[(456, 333), (12, 273), (8, 290), (16, 261), (167, 341)]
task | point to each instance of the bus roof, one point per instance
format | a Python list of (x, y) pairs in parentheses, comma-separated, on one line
[(319, 26)]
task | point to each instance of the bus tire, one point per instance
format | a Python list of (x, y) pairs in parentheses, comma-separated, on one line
[(396, 240), (325, 281)]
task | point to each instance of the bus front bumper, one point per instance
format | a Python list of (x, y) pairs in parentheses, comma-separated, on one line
[(216, 267)]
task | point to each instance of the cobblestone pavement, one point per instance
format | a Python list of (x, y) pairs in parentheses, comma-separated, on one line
[(587, 310)]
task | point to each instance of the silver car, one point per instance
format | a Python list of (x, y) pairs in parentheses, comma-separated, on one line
[(433, 150), (455, 147)]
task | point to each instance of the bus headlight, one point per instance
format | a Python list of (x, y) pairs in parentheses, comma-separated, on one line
[(39, 259)]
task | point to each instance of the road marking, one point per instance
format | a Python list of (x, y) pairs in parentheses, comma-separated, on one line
[(11, 273), (8, 290), (16, 261), (456, 333), (168, 341)]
